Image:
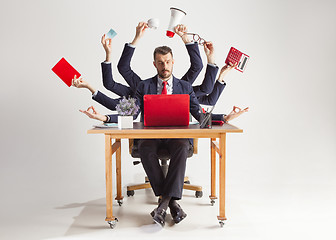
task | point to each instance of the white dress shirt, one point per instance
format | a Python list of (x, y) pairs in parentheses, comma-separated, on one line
[(169, 85)]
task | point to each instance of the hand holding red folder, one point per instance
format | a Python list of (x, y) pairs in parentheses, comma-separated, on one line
[(65, 71)]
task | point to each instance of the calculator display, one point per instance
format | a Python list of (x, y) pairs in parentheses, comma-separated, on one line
[(242, 62)]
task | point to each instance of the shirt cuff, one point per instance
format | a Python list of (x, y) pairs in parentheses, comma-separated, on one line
[(213, 65), (105, 62), (130, 45), (95, 94), (107, 118), (224, 115), (190, 43), (221, 82)]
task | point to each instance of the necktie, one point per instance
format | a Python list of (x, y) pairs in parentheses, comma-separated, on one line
[(164, 89)]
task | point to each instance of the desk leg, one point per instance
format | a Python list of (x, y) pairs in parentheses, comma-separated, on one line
[(213, 172), (119, 197), (222, 158), (108, 175)]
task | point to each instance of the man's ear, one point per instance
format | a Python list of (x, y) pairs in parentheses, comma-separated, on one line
[(154, 64)]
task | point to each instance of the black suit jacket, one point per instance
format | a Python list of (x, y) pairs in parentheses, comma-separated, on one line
[(133, 79), (149, 86)]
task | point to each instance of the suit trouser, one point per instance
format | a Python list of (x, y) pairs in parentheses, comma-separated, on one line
[(172, 184)]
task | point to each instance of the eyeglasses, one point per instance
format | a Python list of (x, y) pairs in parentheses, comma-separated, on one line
[(197, 38)]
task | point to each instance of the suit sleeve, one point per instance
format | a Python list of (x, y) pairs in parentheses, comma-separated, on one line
[(124, 68), (110, 84), (196, 64), (194, 105), (208, 82), (139, 101), (106, 101), (213, 97)]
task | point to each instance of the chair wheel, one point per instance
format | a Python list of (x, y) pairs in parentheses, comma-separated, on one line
[(120, 202), (221, 223), (212, 202), (199, 194), (113, 223), (130, 193)]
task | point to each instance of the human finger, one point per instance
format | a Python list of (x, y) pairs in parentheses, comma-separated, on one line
[(184, 28), (231, 64), (93, 110), (142, 24), (102, 39), (88, 114), (236, 109)]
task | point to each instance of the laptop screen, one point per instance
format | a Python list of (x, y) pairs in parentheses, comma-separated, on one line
[(166, 110)]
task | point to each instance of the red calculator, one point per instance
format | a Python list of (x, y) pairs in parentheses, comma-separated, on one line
[(237, 57)]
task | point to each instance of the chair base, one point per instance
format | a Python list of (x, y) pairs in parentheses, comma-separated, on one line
[(187, 186)]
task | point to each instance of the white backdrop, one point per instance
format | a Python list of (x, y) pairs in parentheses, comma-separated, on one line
[(289, 134)]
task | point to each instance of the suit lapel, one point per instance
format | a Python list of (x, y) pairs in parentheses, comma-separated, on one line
[(176, 86), (153, 86)]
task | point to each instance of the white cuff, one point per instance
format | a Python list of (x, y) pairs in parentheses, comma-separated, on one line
[(221, 82), (189, 43), (213, 65), (108, 118), (130, 45), (95, 94)]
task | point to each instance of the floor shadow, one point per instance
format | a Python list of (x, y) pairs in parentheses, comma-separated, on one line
[(130, 215), (92, 216)]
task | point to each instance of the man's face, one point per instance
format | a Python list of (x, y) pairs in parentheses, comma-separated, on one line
[(164, 65)]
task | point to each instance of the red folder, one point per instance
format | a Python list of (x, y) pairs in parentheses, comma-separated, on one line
[(65, 71)]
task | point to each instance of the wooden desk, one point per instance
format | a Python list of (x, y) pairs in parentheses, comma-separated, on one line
[(139, 131)]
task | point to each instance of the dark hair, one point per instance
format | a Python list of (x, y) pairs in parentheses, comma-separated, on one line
[(163, 50)]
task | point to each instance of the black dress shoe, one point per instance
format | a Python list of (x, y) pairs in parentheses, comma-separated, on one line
[(177, 213), (159, 216)]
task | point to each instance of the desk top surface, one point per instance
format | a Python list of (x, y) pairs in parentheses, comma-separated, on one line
[(140, 131)]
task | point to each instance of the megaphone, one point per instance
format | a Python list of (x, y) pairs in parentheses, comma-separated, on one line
[(175, 18)]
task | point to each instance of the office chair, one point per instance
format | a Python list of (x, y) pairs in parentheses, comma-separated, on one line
[(164, 156)]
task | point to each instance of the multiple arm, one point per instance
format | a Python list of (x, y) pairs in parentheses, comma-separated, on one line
[(207, 93), (196, 64), (218, 88), (133, 79), (124, 64)]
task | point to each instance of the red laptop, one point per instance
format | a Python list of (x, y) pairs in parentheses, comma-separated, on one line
[(166, 110)]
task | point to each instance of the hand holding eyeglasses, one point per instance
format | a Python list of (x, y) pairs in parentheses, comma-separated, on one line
[(197, 38)]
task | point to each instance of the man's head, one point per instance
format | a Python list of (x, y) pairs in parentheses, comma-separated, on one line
[(163, 61)]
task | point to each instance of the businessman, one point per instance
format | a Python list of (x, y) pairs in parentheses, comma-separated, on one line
[(171, 186), (124, 67), (207, 93)]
